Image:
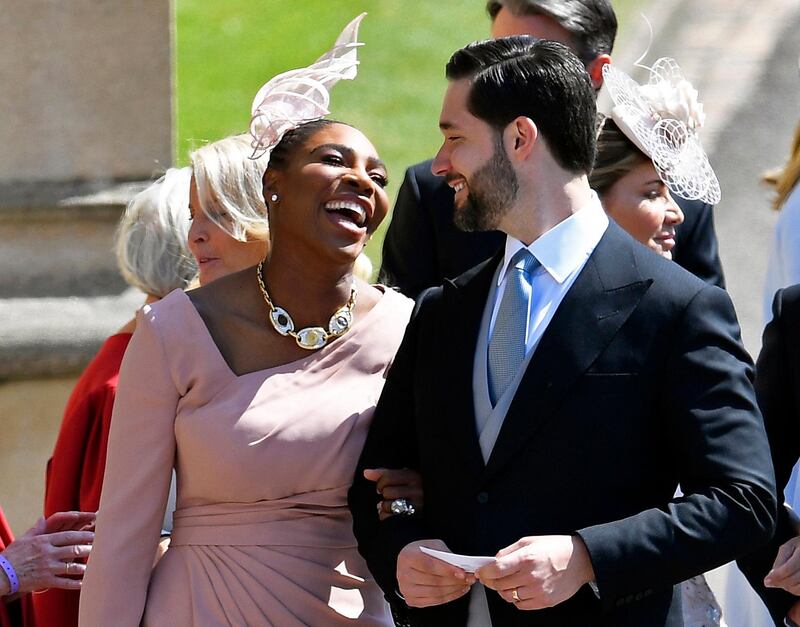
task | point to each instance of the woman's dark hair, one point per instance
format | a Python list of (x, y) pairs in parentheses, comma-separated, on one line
[(616, 156), (295, 138), (539, 79)]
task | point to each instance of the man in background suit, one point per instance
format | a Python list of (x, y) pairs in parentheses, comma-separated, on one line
[(778, 393), (422, 246), (554, 397)]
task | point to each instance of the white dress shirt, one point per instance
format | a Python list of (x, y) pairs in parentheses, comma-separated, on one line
[(562, 252)]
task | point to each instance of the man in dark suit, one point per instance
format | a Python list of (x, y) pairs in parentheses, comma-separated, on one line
[(554, 397), (778, 393), (423, 247)]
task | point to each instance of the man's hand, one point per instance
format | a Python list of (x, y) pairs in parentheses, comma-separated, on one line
[(543, 571), (425, 580), (396, 483), (785, 571)]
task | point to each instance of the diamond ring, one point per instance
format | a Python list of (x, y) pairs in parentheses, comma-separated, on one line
[(402, 506), (515, 595)]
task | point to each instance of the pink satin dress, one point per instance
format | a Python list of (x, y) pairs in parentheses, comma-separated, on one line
[(262, 534)]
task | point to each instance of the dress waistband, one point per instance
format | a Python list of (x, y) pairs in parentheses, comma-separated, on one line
[(293, 521)]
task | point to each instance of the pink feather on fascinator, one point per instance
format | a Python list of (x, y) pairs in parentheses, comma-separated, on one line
[(303, 95)]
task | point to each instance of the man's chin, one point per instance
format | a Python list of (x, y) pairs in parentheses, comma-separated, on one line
[(466, 219)]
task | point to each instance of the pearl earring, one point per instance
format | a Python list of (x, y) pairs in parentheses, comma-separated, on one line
[(274, 198)]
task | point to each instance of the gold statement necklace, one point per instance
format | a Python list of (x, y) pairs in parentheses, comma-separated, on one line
[(309, 338)]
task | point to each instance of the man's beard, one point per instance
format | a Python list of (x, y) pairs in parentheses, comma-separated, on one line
[(492, 190)]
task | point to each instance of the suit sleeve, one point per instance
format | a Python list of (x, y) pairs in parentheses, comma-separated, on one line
[(697, 248), (774, 390), (714, 434), (391, 443), (141, 451), (409, 248)]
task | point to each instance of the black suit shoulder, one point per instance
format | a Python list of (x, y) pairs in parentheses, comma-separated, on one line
[(696, 245), (778, 392)]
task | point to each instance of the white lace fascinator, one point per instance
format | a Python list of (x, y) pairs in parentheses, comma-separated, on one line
[(298, 96), (662, 118)]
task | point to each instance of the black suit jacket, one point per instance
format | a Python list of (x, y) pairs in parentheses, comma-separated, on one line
[(423, 247), (778, 392), (639, 383)]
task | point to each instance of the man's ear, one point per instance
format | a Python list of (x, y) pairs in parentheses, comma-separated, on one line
[(595, 69), (520, 137)]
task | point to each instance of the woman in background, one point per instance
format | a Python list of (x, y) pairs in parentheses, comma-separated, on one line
[(632, 192), (783, 268)]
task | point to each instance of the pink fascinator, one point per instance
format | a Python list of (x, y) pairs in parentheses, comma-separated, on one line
[(662, 118), (299, 96)]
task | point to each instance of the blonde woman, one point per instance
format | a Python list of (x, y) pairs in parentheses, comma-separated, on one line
[(783, 268)]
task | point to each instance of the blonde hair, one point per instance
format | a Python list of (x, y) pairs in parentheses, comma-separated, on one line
[(151, 239), (229, 186), (784, 179)]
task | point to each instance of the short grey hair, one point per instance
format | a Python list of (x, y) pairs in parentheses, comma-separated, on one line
[(592, 23), (152, 237), (230, 188)]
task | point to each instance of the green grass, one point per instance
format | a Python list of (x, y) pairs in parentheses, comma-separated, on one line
[(227, 50)]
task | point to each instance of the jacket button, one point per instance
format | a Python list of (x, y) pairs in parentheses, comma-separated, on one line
[(483, 498)]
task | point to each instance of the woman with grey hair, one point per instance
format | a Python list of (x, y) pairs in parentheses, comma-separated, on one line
[(152, 256)]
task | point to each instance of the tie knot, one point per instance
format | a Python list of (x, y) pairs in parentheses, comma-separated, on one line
[(525, 261)]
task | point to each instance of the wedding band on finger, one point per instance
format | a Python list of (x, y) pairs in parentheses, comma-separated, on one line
[(515, 595), (402, 506)]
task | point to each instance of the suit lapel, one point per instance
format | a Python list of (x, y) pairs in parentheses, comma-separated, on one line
[(606, 292), (465, 299)]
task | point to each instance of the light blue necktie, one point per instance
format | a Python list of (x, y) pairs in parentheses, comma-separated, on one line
[(507, 346)]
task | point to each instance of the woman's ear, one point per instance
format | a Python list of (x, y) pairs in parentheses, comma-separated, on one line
[(520, 137), (269, 188)]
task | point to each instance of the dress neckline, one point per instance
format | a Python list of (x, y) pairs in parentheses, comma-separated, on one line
[(357, 329)]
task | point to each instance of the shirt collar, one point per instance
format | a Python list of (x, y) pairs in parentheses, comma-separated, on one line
[(565, 247)]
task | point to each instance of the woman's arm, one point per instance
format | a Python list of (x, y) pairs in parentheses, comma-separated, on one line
[(141, 451)]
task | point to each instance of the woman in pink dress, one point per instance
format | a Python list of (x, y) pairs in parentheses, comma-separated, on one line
[(264, 433), (258, 388)]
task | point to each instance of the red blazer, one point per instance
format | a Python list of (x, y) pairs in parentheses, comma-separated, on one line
[(75, 471)]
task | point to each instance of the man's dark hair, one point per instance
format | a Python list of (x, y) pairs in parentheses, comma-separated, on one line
[(538, 79), (592, 23)]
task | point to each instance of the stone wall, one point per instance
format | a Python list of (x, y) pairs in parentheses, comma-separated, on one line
[(85, 121)]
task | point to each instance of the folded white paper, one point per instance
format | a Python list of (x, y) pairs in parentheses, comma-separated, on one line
[(468, 563)]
